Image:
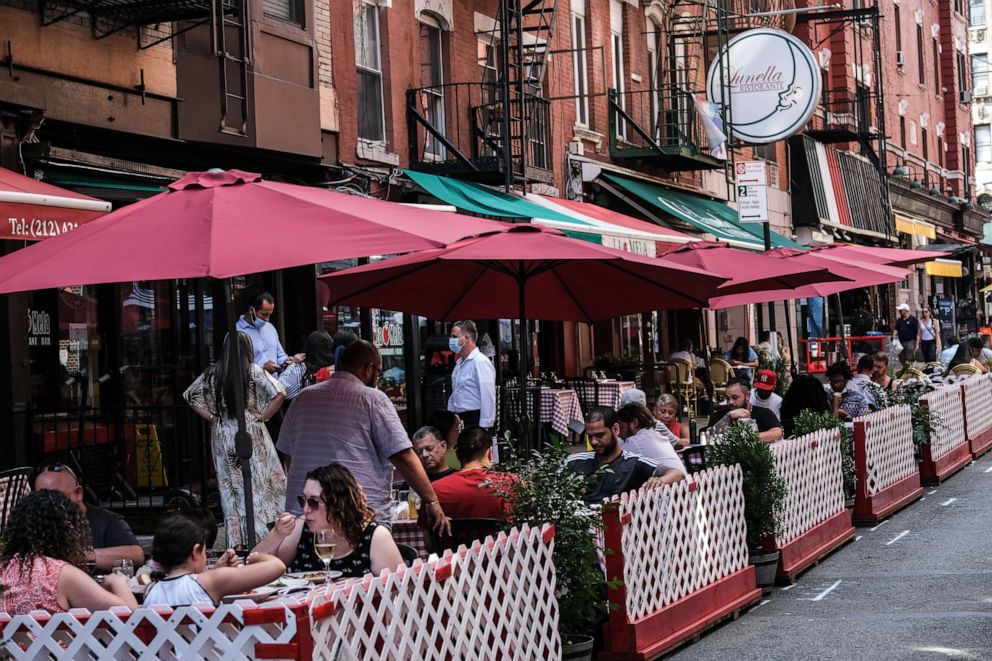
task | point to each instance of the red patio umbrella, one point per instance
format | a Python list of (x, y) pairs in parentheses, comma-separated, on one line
[(32, 210), (888, 256), (749, 271), (220, 224)]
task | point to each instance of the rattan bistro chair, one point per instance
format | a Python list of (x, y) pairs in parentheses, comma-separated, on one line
[(965, 369), (681, 383), (720, 373)]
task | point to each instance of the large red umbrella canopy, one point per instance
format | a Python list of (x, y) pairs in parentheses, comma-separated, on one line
[(525, 272), (749, 271), (32, 210), (870, 254), (856, 274), (221, 224)]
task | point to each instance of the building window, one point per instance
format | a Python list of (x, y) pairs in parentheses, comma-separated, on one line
[(962, 72), (581, 69), (940, 160), (616, 52), (863, 108), (291, 11), (959, 6), (432, 77), (983, 144), (979, 71), (654, 78), (976, 12), (371, 117), (765, 152), (966, 169), (936, 67), (924, 143), (897, 19), (488, 55), (919, 54), (902, 132)]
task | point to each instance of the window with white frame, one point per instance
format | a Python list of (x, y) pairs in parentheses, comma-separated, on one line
[(979, 71), (432, 82), (616, 53), (654, 77), (580, 65), (368, 60), (983, 144), (976, 12)]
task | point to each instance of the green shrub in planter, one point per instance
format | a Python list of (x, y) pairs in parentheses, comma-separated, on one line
[(764, 489), (809, 421), (925, 421)]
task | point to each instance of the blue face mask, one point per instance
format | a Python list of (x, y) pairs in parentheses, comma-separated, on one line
[(256, 322), (453, 345)]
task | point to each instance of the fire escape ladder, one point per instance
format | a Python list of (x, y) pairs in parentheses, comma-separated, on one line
[(231, 40)]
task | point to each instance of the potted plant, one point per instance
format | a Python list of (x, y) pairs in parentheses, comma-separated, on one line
[(542, 489), (764, 492), (809, 421), (925, 421)]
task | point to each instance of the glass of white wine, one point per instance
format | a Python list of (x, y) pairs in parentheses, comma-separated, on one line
[(324, 543)]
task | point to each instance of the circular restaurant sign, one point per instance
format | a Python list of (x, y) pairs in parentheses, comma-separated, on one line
[(773, 81)]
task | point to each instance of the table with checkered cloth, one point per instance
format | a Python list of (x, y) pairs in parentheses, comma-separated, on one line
[(558, 406), (611, 391), (410, 533)]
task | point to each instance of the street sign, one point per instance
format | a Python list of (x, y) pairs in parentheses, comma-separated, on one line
[(752, 191)]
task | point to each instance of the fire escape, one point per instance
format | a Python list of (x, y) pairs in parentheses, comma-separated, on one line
[(497, 130)]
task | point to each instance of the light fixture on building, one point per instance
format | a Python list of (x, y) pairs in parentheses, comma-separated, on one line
[(935, 191), (916, 185), (900, 171), (954, 199)]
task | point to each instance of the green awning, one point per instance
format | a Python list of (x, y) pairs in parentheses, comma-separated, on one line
[(482, 200), (706, 215)]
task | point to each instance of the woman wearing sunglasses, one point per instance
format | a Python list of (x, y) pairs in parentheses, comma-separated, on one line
[(332, 500)]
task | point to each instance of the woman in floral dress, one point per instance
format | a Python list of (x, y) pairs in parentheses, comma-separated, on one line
[(212, 396)]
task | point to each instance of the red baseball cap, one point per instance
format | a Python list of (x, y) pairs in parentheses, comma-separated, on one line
[(765, 380)]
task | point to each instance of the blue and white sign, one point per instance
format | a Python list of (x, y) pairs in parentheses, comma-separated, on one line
[(773, 82)]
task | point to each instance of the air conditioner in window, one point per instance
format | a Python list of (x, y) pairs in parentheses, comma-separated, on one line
[(965, 96), (900, 58)]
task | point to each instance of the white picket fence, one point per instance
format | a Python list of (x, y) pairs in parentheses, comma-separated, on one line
[(811, 468), (889, 447), (231, 632), (949, 434), (977, 393), (493, 601), (681, 538)]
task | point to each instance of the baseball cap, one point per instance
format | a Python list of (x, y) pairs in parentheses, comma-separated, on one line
[(902, 306), (634, 395), (765, 380)]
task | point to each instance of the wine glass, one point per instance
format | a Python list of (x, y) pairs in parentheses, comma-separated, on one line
[(324, 543)]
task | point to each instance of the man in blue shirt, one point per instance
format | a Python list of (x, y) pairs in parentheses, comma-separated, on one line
[(256, 324), (907, 328)]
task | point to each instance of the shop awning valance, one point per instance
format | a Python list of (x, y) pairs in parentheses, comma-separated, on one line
[(945, 268), (705, 215), (915, 226), (32, 210)]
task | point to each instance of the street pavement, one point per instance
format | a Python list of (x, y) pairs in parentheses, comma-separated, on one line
[(918, 586)]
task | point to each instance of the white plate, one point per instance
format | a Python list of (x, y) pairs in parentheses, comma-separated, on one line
[(287, 582), (315, 576), (258, 594)]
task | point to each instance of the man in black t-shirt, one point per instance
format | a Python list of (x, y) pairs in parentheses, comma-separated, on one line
[(738, 409)]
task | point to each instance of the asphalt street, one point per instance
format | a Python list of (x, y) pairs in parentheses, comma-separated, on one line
[(918, 586)]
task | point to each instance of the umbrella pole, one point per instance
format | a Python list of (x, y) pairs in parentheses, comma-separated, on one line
[(242, 439), (788, 333), (840, 326), (524, 439)]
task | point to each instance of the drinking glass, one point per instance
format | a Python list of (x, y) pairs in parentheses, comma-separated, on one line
[(324, 542), (124, 567), (213, 557), (90, 560)]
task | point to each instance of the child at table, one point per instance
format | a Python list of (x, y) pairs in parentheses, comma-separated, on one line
[(181, 579)]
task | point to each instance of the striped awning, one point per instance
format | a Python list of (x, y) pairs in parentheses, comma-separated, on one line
[(914, 226), (945, 268)]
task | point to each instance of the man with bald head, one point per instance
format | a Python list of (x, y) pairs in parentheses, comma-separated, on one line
[(347, 420), (112, 537)]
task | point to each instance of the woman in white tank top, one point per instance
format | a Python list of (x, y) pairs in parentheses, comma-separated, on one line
[(928, 335)]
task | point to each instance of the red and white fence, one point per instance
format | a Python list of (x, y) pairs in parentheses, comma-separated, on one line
[(681, 553), (948, 450), (885, 464), (816, 521), (495, 600), (230, 632), (977, 393)]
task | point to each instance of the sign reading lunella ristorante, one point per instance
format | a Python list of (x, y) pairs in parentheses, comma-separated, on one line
[(773, 82)]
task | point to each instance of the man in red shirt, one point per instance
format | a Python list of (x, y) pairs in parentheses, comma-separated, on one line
[(470, 492)]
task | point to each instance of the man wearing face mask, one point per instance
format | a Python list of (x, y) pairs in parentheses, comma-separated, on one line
[(347, 420), (473, 382), (256, 323)]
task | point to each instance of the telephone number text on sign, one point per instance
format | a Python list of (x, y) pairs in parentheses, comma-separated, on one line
[(39, 228)]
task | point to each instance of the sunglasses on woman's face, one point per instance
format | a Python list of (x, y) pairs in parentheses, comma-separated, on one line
[(311, 502)]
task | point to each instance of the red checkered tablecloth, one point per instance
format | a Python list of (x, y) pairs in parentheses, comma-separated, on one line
[(410, 533), (611, 391)]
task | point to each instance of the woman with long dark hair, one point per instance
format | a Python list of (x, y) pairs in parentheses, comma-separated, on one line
[(743, 359), (805, 393), (319, 352), (42, 559), (928, 335), (213, 396)]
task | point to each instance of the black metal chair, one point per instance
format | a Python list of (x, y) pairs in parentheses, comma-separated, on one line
[(511, 411), (587, 390), (14, 485), (408, 552), (463, 532)]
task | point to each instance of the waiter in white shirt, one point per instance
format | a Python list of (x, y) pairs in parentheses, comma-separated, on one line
[(473, 383)]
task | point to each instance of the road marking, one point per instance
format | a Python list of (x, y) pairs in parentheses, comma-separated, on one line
[(930, 493), (761, 604), (897, 538), (923, 498), (788, 587), (857, 538), (989, 469), (879, 525), (827, 591), (947, 502)]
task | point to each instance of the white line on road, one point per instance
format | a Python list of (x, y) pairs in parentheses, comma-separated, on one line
[(827, 591), (879, 525), (857, 538), (930, 493), (923, 498), (788, 587), (897, 538), (989, 469), (761, 604), (947, 502)]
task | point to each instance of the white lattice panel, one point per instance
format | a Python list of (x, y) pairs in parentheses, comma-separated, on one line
[(681, 538), (888, 447), (185, 633), (811, 468), (491, 602), (949, 434), (978, 404)]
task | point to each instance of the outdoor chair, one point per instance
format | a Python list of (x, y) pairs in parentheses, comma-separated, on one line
[(510, 414), (681, 383), (965, 369), (910, 373), (408, 553), (586, 389), (720, 373), (937, 367), (14, 485), (463, 532)]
